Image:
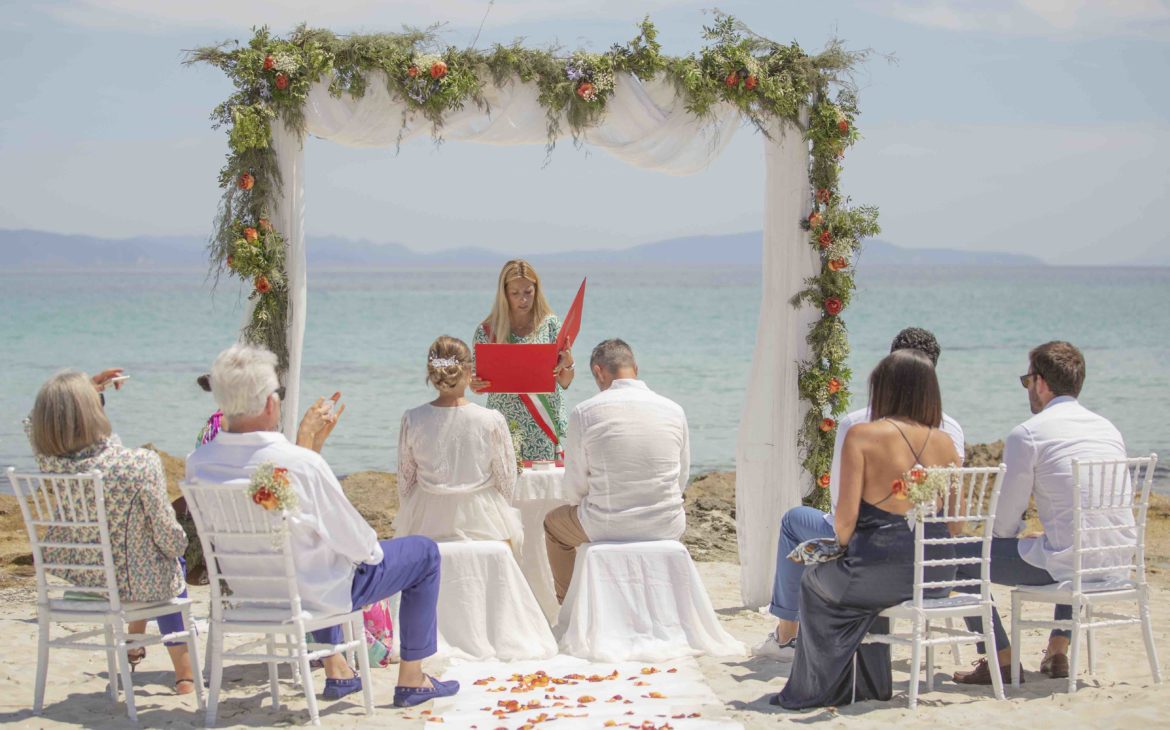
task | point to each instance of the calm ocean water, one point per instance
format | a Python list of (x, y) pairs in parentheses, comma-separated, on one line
[(692, 330)]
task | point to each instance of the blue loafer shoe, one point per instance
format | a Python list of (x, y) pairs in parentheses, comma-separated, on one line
[(335, 689), (411, 696)]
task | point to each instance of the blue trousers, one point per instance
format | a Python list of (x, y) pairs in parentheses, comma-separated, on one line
[(1007, 569), (173, 622), (410, 565), (797, 525)]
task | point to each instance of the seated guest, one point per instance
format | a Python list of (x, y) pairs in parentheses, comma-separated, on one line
[(1038, 454), (70, 434), (627, 457), (840, 599), (340, 563), (806, 523), (456, 462)]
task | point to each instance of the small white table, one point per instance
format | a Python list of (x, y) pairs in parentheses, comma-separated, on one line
[(538, 492)]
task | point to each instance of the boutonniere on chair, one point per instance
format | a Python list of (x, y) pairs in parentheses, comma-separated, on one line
[(271, 489), (923, 488)]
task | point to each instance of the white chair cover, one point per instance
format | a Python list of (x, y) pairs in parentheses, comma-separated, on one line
[(639, 601), (486, 609)]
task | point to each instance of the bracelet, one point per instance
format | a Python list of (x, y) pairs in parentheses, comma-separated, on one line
[(569, 367)]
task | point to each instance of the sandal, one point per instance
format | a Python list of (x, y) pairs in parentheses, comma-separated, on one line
[(181, 682), (135, 656)]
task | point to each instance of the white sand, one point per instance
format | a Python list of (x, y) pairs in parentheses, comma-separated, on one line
[(1121, 694)]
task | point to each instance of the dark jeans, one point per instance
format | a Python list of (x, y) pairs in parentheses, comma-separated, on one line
[(1007, 569), (172, 623), (410, 565)]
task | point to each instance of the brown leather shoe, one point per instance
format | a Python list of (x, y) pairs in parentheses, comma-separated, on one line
[(981, 674), (1054, 665)]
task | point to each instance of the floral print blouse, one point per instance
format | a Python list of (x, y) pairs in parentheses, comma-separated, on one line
[(146, 538), (535, 445)]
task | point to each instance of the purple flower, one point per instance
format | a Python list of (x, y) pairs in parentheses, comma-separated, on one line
[(574, 72)]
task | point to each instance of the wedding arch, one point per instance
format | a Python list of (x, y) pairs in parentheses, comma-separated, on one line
[(672, 114)]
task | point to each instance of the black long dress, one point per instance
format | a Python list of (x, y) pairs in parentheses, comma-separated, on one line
[(839, 604)]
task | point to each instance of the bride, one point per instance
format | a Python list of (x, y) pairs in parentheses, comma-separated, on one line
[(456, 462)]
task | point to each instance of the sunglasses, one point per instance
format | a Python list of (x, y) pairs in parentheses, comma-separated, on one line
[(280, 393), (1026, 380)]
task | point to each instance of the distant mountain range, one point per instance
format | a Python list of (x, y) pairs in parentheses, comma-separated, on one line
[(25, 249)]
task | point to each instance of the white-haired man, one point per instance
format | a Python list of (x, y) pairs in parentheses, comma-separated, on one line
[(340, 562)]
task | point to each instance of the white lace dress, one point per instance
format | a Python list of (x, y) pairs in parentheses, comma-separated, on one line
[(456, 474)]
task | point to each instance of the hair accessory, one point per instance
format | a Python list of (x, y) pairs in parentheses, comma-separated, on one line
[(444, 362)]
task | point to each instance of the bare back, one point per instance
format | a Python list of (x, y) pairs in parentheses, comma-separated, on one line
[(886, 450)]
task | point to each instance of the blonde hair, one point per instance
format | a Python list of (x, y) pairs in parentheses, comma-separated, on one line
[(499, 320), (67, 416), (447, 362)]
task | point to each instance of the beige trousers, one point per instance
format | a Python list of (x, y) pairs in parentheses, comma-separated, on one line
[(562, 534)]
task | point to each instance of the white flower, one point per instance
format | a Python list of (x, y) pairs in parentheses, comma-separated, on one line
[(287, 62)]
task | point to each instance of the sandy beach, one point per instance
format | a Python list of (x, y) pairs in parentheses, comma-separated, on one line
[(1120, 694)]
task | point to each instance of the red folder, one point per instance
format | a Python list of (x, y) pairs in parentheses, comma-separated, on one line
[(516, 368), (572, 324)]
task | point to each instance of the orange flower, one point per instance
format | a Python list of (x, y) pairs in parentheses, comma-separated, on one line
[(750, 82), (899, 490), (281, 81), (838, 264), (262, 284), (586, 91), (732, 79), (825, 239), (918, 475), (833, 306), (828, 424), (833, 385), (823, 195), (250, 234), (265, 498), (438, 70), (815, 219), (843, 126), (265, 225), (246, 181), (412, 72), (280, 475), (269, 63), (230, 260), (824, 481)]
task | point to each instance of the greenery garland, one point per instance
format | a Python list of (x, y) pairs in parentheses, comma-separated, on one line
[(763, 79)]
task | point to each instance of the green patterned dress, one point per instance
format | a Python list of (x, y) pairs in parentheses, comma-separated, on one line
[(536, 446)]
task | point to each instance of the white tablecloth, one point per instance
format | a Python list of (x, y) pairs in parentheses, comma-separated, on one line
[(538, 492)]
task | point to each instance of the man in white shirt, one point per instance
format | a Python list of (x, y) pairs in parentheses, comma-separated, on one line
[(1038, 454), (340, 563), (628, 458), (806, 523)]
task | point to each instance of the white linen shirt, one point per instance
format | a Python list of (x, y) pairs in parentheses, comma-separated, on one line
[(328, 536), (628, 458), (1038, 454), (949, 426)]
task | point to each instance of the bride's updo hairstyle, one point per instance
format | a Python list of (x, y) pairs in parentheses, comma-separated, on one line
[(447, 361)]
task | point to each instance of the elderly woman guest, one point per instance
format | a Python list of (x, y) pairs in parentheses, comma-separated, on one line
[(456, 463), (521, 315), (840, 599), (70, 434)]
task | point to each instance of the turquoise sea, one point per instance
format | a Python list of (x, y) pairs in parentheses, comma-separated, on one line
[(691, 329)]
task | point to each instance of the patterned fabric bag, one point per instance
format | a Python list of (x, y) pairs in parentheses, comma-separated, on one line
[(817, 550)]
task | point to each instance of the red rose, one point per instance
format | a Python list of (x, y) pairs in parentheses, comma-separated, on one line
[(265, 225), (833, 306), (825, 239), (246, 181), (262, 284), (824, 481), (918, 475), (828, 424), (269, 63), (823, 195), (732, 79), (899, 490), (585, 91), (438, 70), (265, 498), (281, 81), (833, 385), (815, 219), (412, 72), (838, 264), (843, 126), (750, 82), (250, 234)]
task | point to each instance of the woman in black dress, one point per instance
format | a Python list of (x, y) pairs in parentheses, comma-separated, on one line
[(840, 600)]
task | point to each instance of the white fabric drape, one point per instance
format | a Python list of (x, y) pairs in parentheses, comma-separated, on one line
[(768, 475), (646, 125)]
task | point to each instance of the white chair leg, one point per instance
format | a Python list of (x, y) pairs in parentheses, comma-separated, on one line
[(273, 672), (929, 659), (1089, 638), (193, 651), (956, 652), (1074, 650), (915, 665), (215, 680), (43, 663), (989, 636), (993, 653), (307, 678), (363, 660), (1148, 635), (111, 663), (124, 670)]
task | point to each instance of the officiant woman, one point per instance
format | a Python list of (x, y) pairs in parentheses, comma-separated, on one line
[(521, 315)]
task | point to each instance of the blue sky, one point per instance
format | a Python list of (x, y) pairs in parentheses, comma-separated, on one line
[(1037, 126)]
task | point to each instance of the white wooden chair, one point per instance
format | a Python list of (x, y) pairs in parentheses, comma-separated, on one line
[(1113, 493), (66, 514), (254, 591), (972, 501)]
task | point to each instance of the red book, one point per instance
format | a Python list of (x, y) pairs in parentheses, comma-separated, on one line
[(516, 368)]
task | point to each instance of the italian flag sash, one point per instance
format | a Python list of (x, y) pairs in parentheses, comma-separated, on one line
[(540, 408)]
